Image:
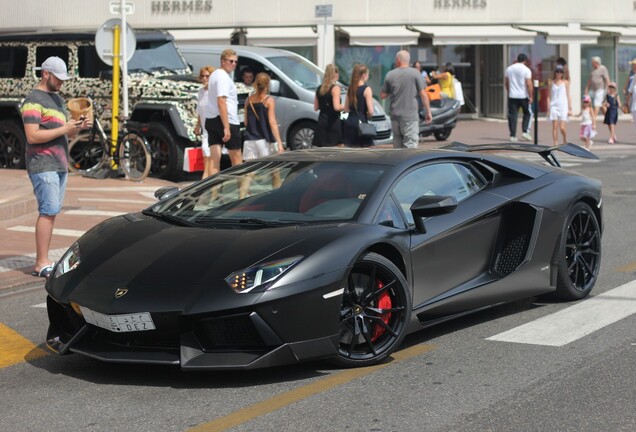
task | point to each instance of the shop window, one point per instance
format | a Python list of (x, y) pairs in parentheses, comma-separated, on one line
[(13, 61), (605, 48), (542, 61)]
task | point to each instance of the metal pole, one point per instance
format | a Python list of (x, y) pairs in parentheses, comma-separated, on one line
[(324, 45), (124, 57), (535, 111), (115, 100)]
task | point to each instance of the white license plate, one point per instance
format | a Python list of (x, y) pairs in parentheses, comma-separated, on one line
[(141, 321), (381, 127)]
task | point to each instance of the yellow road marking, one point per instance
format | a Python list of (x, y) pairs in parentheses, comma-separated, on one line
[(251, 412), (14, 348), (627, 268)]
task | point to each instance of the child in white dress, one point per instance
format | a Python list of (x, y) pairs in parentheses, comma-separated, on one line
[(588, 123)]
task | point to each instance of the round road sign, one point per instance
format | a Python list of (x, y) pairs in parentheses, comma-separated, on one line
[(104, 41)]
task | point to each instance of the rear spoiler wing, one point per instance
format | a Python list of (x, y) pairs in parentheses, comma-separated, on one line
[(546, 152)]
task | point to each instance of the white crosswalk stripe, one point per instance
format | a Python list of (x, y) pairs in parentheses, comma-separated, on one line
[(94, 213), (575, 322), (56, 231)]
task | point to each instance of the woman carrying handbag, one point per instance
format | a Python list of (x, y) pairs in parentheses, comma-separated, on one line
[(261, 128), (359, 105)]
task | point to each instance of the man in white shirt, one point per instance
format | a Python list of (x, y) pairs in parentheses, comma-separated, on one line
[(518, 83), (223, 126)]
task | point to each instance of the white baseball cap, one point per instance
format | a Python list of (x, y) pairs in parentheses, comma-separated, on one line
[(57, 67)]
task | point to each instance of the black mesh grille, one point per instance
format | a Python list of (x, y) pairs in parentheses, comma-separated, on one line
[(230, 332), (515, 233), (383, 135), (511, 255)]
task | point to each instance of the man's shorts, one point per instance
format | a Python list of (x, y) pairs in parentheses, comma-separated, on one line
[(597, 96), (49, 188), (214, 126)]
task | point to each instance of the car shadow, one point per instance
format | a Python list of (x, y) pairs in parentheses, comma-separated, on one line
[(97, 372)]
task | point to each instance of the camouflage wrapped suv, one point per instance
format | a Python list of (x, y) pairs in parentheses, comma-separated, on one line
[(162, 92)]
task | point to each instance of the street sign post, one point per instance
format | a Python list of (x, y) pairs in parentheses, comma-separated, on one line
[(324, 11)]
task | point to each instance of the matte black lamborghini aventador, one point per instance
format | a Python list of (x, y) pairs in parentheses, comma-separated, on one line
[(325, 254)]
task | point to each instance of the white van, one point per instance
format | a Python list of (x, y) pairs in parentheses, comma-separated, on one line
[(294, 83)]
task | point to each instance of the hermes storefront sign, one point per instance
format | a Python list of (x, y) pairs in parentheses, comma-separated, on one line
[(460, 4), (180, 7)]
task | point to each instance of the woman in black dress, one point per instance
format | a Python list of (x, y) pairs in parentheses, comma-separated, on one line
[(327, 101), (359, 105)]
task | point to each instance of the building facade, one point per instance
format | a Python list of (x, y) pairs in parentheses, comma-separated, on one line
[(480, 37)]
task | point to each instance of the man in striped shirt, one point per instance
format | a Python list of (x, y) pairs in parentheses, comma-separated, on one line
[(47, 133)]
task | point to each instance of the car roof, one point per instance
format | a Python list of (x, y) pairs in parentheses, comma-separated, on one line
[(140, 35), (383, 156), (240, 49), (405, 157)]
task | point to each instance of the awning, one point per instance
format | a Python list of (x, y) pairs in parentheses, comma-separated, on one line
[(477, 35), (380, 35), (563, 34), (626, 35), (204, 36), (281, 36)]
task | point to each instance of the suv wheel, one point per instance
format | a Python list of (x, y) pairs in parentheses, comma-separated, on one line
[(302, 136), (12, 145), (166, 153)]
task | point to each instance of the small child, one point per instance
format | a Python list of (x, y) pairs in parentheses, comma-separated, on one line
[(611, 104), (588, 123)]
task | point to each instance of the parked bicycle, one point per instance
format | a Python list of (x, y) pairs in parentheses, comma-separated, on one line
[(89, 151)]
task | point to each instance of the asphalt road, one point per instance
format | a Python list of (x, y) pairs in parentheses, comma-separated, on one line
[(451, 377)]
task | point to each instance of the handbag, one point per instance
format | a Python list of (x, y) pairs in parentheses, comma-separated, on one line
[(366, 130)]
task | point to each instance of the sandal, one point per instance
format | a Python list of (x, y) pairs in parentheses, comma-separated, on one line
[(44, 272)]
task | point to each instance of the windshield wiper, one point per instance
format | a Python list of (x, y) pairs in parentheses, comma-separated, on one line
[(168, 218)]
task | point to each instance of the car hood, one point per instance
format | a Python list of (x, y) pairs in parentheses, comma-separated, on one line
[(149, 251), (144, 86)]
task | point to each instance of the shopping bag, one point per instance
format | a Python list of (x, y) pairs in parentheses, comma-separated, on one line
[(459, 93), (193, 159)]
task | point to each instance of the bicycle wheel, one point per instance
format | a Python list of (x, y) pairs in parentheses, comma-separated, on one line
[(133, 156), (86, 153)]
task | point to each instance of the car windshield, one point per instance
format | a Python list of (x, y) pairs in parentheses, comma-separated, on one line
[(301, 71), (272, 193), (156, 56)]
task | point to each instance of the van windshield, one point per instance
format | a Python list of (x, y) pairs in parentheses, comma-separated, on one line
[(301, 71), (156, 56)]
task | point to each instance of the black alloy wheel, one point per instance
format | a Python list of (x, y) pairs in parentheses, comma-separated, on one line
[(12, 145), (376, 308), (165, 151), (580, 253)]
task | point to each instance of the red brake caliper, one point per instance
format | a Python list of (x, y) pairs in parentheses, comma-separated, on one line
[(384, 302)]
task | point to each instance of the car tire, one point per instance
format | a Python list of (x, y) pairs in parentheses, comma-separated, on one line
[(301, 136), (12, 145), (579, 258), (166, 153), (442, 135), (367, 336)]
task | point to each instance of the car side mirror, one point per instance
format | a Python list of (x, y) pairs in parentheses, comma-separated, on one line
[(431, 205), (274, 87), (166, 192)]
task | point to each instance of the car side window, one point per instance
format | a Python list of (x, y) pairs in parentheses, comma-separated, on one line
[(44, 52), (444, 179), (389, 215), (13, 60)]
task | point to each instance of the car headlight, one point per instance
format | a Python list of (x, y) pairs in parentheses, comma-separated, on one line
[(246, 280), (69, 261)]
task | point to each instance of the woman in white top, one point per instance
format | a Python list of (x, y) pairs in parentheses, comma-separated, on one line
[(203, 112), (560, 104)]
